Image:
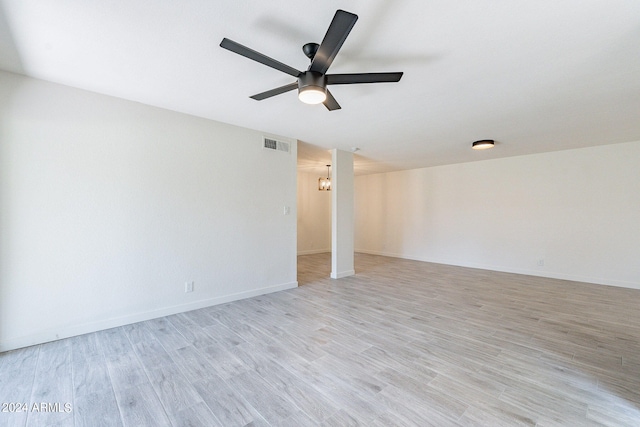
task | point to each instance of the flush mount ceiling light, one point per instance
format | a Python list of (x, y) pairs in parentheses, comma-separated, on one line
[(483, 144), (324, 184)]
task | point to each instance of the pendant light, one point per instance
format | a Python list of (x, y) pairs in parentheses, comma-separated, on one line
[(324, 184)]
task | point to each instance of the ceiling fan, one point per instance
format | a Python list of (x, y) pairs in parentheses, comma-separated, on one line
[(312, 84)]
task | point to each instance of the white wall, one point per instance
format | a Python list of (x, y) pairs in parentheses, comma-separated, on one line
[(577, 211), (107, 208), (314, 216)]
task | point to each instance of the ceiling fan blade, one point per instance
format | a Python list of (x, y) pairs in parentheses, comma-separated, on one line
[(345, 79), (258, 57), (331, 102), (274, 92), (337, 33)]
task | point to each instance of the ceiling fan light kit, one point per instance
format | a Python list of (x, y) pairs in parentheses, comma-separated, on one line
[(312, 88), (483, 144), (312, 84)]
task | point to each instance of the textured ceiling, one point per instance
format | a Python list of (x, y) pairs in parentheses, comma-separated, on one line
[(535, 76)]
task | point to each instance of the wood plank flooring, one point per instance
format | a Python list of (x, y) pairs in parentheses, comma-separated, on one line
[(402, 343)]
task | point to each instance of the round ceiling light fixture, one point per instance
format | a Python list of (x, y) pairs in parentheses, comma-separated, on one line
[(483, 144)]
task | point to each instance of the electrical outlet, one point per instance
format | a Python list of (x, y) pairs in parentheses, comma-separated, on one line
[(541, 262), (188, 287)]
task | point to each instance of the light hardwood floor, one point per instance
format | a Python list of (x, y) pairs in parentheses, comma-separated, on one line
[(401, 343)]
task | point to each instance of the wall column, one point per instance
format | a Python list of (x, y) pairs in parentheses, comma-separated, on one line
[(342, 214)]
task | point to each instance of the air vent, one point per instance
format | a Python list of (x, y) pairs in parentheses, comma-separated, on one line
[(273, 144)]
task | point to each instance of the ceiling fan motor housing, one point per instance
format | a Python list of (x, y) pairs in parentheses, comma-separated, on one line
[(310, 79)]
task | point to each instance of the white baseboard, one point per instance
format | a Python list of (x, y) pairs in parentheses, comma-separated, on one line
[(314, 251), (71, 331), (539, 273), (341, 274)]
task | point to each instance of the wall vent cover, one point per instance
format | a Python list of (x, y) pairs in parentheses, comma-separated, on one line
[(273, 144)]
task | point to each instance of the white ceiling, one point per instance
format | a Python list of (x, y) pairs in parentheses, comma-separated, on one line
[(535, 76)]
